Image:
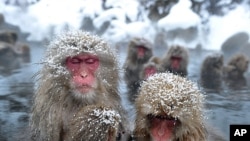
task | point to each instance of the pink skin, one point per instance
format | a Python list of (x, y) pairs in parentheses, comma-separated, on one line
[(175, 62), (141, 51), (83, 68), (149, 71), (162, 129)]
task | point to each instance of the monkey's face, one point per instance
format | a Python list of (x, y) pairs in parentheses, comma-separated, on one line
[(162, 126), (83, 69), (141, 50), (149, 70)]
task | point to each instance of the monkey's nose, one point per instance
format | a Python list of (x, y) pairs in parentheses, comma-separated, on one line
[(84, 74)]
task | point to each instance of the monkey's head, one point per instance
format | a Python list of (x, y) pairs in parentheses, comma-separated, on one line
[(178, 57), (239, 62), (214, 62), (140, 49), (80, 63), (150, 68), (97, 123), (169, 105)]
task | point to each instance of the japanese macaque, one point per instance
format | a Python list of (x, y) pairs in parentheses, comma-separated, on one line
[(139, 52), (150, 68), (176, 60), (94, 123), (211, 71), (170, 108), (79, 69), (234, 71), (8, 37), (236, 66)]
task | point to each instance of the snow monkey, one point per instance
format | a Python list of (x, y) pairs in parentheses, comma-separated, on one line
[(176, 60), (139, 52), (95, 122), (150, 68), (170, 108), (236, 66), (79, 69), (211, 71)]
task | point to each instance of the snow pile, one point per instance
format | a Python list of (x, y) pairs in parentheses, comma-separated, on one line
[(180, 16), (126, 20)]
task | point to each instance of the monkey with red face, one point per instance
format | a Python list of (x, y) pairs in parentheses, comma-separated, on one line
[(170, 108), (150, 68), (139, 52), (79, 69), (176, 60)]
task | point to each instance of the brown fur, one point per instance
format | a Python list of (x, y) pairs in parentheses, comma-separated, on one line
[(236, 66), (54, 103), (176, 51), (165, 94), (94, 123), (211, 71), (133, 64)]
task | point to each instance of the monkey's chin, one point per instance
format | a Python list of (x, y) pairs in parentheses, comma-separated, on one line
[(85, 90), (86, 96)]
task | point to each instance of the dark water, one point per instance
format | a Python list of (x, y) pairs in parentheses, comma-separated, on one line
[(224, 107)]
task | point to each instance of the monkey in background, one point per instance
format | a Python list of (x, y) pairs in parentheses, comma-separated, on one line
[(236, 66), (176, 60), (150, 68), (139, 52), (170, 108), (211, 71), (234, 71), (79, 69)]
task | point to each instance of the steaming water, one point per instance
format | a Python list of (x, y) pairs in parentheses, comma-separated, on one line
[(224, 107)]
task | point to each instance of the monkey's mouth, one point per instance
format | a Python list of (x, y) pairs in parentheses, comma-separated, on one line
[(169, 120), (84, 88)]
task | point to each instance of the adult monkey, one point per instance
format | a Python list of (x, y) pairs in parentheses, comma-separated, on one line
[(176, 60), (170, 108), (138, 54), (79, 69)]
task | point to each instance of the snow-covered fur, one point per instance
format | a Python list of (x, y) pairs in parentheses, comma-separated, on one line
[(54, 103), (174, 96)]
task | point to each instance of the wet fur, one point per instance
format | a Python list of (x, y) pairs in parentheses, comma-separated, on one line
[(211, 71)]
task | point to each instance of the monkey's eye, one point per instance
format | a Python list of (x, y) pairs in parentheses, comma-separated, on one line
[(90, 61), (75, 61)]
